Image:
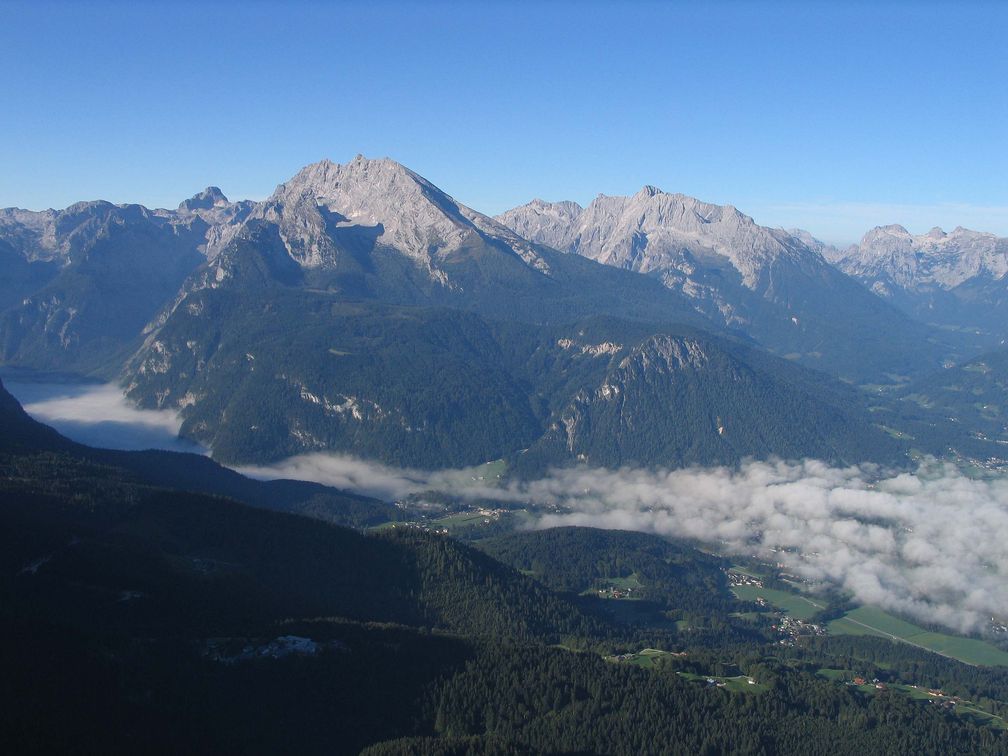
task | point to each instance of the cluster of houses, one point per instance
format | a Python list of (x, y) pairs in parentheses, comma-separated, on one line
[(793, 628), (714, 682), (940, 698), (740, 578), (420, 526), (936, 696), (612, 592), (990, 464)]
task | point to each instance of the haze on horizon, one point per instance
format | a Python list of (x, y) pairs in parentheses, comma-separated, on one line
[(833, 119)]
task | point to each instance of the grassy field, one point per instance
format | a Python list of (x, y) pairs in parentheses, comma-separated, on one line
[(835, 674), (797, 606), (490, 473), (647, 657), (867, 620), (459, 519), (739, 684), (980, 717), (631, 581)]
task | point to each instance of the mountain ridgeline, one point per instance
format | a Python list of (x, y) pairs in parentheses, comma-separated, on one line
[(956, 280), (87, 279), (362, 310), (759, 281)]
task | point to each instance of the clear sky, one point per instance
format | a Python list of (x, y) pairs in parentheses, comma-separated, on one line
[(835, 117)]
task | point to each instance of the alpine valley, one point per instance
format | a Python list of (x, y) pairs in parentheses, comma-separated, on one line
[(655, 479)]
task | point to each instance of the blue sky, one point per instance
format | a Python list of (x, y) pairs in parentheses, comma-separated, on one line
[(835, 117)]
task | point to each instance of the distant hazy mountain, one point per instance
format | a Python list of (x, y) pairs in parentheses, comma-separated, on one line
[(830, 252), (955, 279), (80, 283), (763, 282)]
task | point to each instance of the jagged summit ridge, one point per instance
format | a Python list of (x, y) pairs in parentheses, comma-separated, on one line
[(543, 222), (210, 197), (653, 230), (403, 210), (762, 281), (892, 255), (62, 234)]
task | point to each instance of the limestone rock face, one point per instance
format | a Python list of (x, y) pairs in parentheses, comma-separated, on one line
[(893, 255), (653, 231), (398, 208)]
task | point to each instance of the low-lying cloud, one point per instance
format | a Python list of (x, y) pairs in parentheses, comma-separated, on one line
[(350, 473), (931, 544), (380, 480), (99, 415)]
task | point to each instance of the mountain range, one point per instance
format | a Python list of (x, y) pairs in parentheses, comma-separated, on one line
[(363, 310), (744, 277), (81, 283), (957, 281)]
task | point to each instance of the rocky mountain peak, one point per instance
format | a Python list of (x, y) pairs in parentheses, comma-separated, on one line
[(210, 197), (648, 191), (548, 223), (652, 230), (893, 229), (888, 237), (936, 258), (402, 209), (381, 203), (662, 233)]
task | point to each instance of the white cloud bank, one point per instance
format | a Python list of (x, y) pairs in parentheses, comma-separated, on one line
[(350, 473), (932, 544)]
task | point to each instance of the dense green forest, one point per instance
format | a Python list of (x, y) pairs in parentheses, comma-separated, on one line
[(141, 617), (433, 387), (685, 583)]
